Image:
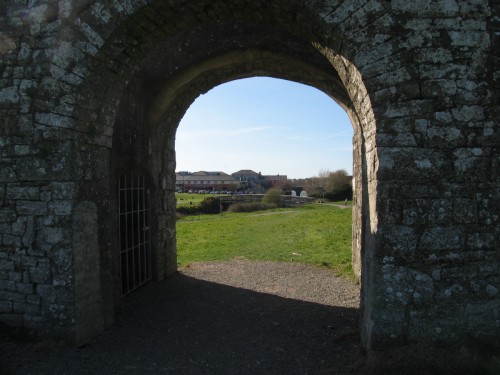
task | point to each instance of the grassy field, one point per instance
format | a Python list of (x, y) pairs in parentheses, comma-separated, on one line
[(190, 199), (317, 234)]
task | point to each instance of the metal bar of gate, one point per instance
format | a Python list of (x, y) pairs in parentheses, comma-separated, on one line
[(133, 234), (147, 235), (133, 231), (137, 251), (120, 239)]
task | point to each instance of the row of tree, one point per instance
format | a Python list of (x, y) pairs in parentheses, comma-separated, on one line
[(330, 185)]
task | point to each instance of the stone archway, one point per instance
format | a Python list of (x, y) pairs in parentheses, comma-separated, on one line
[(168, 79), (89, 89)]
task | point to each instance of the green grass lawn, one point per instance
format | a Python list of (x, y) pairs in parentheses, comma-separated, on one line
[(316, 234), (190, 198)]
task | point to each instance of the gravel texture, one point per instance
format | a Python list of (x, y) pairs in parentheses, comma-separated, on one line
[(237, 317)]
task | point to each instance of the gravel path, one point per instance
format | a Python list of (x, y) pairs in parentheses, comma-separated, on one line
[(237, 317)]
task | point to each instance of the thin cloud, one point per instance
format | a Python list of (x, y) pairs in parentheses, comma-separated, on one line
[(340, 149), (217, 133), (308, 136), (248, 130), (344, 132), (296, 138)]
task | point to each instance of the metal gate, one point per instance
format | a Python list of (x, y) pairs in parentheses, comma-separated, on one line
[(134, 233)]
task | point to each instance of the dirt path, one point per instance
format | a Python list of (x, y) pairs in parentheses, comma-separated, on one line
[(344, 206), (237, 317)]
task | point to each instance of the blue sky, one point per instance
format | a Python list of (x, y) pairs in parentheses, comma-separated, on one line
[(267, 125)]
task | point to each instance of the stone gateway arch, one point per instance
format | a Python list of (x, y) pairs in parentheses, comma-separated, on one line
[(92, 91)]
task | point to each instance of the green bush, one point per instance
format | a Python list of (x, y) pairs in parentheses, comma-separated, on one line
[(187, 210), (339, 196), (273, 196), (250, 207), (210, 205)]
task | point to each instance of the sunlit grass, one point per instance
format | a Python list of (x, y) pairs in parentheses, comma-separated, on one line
[(316, 234), (190, 198)]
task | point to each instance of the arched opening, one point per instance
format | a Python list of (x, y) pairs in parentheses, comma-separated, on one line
[(151, 144), (251, 130), (135, 130)]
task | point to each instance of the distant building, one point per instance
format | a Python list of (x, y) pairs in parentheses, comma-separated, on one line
[(247, 176), (243, 179), (202, 180), (253, 180), (277, 181)]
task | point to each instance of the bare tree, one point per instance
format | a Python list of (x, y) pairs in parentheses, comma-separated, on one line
[(338, 181), (328, 182)]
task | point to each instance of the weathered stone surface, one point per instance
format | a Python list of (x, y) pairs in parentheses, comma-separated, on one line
[(420, 81), (88, 296)]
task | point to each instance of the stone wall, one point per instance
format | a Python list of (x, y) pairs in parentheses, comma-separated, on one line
[(89, 89)]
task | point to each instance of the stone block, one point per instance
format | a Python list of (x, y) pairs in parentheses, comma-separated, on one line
[(39, 275), (64, 295), (416, 212), (438, 87), (8, 285), (35, 323), (33, 299), (63, 190), (32, 169), (480, 317), (8, 174), (46, 293), (465, 211), (63, 259), (470, 163), (399, 242), (442, 238), (8, 96), (491, 291), (5, 307), (16, 256), (45, 196), (469, 38), (4, 275), (19, 227), (60, 208), (6, 265), (24, 53), (7, 215), (435, 327), (52, 235), (11, 296), (25, 308), (423, 289), (440, 212), (30, 193), (54, 119), (11, 241), (28, 207), (22, 150), (25, 288), (452, 293), (29, 234), (15, 276)]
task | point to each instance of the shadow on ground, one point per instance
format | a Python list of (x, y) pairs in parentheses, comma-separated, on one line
[(191, 326)]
